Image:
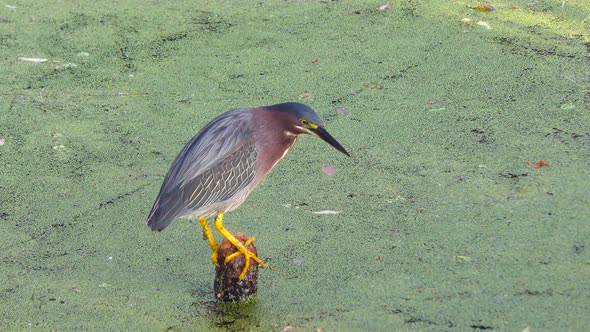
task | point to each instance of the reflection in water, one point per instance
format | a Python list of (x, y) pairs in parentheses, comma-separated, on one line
[(230, 316)]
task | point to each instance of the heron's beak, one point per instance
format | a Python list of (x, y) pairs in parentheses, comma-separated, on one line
[(323, 134)]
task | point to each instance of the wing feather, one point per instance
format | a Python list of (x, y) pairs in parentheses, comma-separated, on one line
[(212, 167)]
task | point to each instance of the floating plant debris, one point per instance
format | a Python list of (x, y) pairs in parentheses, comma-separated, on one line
[(342, 111), (485, 8), (329, 170), (539, 163), (327, 212)]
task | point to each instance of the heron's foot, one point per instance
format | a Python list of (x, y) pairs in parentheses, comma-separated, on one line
[(238, 253), (247, 255), (242, 248)]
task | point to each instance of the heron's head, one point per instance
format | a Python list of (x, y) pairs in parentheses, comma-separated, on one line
[(304, 120)]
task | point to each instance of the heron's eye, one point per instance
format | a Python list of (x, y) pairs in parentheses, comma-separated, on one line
[(304, 122)]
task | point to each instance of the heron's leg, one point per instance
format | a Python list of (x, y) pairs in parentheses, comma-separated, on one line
[(239, 246), (209, 236)]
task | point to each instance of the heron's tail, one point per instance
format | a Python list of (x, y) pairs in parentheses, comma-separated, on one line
[(163, 213)]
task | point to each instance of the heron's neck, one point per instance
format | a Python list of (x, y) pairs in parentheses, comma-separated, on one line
[(273, 138)]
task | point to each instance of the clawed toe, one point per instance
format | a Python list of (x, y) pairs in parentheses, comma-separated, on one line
[(242, 250)]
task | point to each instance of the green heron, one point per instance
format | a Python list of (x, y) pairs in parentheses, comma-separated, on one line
[(221, 165)]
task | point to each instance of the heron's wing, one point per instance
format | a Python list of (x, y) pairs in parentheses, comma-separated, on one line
[(222, 181), (212, 167), (215, 142)]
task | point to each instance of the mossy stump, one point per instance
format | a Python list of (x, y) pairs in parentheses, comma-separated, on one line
[(228, 287)]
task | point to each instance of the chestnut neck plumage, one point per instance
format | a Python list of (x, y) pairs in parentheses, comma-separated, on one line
[(274, 136)]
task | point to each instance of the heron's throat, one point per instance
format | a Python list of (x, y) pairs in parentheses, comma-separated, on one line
[(271, 153)]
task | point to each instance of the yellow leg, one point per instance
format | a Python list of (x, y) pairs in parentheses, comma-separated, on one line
[(209, 235), (239, 246)]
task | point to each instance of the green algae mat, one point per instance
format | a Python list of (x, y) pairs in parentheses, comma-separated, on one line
[(465, 205)]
